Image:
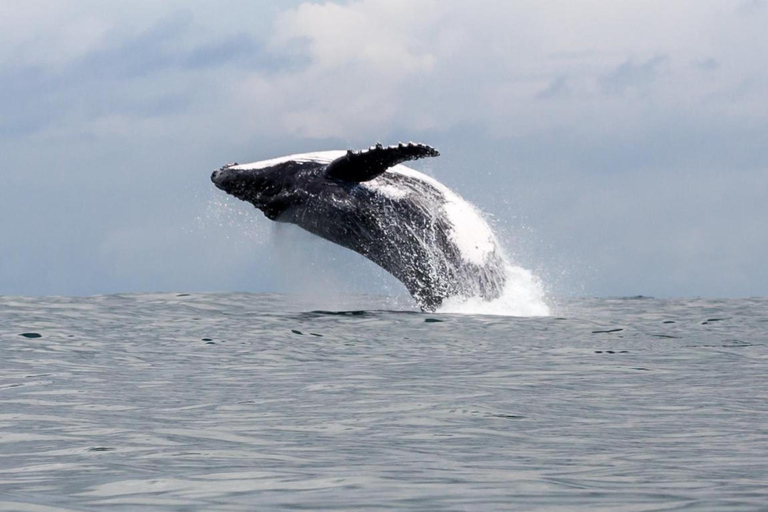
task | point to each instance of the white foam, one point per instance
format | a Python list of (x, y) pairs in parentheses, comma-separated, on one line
[(523, 295), (387, 189), (470, 232)]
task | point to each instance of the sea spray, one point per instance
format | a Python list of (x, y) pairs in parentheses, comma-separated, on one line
[(522, 295), (222, 213), (325, 273)]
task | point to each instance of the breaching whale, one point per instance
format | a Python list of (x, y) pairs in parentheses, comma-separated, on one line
[(429, 238)]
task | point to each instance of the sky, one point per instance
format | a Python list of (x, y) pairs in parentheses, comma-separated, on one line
[(618, 148)]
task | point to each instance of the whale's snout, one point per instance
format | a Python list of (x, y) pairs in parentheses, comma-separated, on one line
[(221, 176), (244, 184), (216, 177)]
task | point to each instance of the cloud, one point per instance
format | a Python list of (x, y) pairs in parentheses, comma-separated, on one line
[(381, 37), (708, 64), (752, 7), (631, 75), (558, 87), (360, 59), (137, 74), (370, 69)]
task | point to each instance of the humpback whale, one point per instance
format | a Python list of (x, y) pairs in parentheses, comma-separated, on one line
[(425, 235)]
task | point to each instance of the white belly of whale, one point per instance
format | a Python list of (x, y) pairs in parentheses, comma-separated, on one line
[(469, 231)]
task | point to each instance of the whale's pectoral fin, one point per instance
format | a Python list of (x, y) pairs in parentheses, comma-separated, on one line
[(357, 166)]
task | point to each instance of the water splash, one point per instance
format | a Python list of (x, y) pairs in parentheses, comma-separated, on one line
[(232, 219), (523, 295)]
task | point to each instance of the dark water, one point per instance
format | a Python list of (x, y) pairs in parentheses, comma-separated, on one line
[(255, 402)]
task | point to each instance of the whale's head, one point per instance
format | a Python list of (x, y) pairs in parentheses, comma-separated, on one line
[(276, 185), (272, 188)]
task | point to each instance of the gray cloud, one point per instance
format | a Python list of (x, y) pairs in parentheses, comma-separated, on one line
[(131, 75), (629, 74), (708, 64), (558, 87), (752, 7)]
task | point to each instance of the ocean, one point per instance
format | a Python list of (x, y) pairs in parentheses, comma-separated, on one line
[(183, 402)]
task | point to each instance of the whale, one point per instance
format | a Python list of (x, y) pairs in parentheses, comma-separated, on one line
[(435, 243)]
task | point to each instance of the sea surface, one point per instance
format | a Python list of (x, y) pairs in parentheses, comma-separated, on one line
[(182, 402)]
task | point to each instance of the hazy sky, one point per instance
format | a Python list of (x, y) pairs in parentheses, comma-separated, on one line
[(619, 147)]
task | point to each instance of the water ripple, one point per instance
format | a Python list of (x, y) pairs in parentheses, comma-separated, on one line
[(223, 401)]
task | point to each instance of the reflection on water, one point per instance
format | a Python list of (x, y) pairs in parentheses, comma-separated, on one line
[(238, 402)]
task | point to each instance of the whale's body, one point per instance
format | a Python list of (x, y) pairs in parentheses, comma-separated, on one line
[(417, 229)]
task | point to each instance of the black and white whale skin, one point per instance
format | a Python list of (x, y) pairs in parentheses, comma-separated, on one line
[(428, 237)]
